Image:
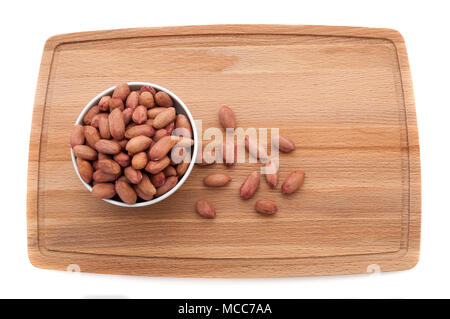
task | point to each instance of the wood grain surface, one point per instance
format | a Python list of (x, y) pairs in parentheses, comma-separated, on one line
[(343, 94)]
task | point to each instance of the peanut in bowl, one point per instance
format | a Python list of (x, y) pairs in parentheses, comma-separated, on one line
[(142, 172)]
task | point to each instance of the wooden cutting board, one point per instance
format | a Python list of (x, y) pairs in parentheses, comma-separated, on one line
[(344, 95)]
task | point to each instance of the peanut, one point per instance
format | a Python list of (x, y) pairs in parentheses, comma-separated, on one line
[(146, 99), (103, 104), (136, 130), (85, 170), (121, 91), (148, 89), (122, 159), (132, 100), (139, 160), (250, 185), (152, 113), (182, 168), (85, 152), (162, 147), (138, 144), (140, 114), (100, 176), (127, 115), (104, 190), (164, 118), (266, 207), (160, 134), (92, 136), (163, 99), (205, 209), (154, 167), (109, 147), (93, 111), (116, 124), (284, 144), (183, 125), (293, 182), (227, 118), (77, 136), (272, 177), (217, 180), (103, 126), (158, 179), (116, 103), (170, 171), (167, 186), (109, 166), (145, 188), (126, 193), (133, 175)]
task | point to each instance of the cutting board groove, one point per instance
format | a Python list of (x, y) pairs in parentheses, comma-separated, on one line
[(343, 94)]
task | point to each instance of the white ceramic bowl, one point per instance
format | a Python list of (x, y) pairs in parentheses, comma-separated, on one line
[(180, 107)]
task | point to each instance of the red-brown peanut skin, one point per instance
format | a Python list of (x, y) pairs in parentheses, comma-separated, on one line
[(227, 118), (216, 180), (182, 122), (266, 207), (140, 114), (126, 193), (91, 135), (127, 115), (146, 99), (122, 159), (93, 111), (100, 176), (136, 130), (205, 209), (154, 167), (158, 179), (228, 153), (170, 171), (168, 185), (103, 126), (139, 160), (138, 144), (104, 103), (121, 91), (104, 190), (159, 134), (109, 166), (293, 182), (284, 144), (133, 175), (116, 103), (163, 99), (250, 185), (85, 169), (77, 136), (182, 168), (146, 189), (85, 152), (147, 88), (132, 100), (116, 124), (272, 178), (152, 113), (162, 147), (164, 118), (109, 147)]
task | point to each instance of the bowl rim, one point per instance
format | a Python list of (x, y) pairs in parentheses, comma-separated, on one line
[(109, 91)]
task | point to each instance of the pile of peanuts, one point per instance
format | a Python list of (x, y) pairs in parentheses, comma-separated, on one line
[(123, 149), (249, 187)]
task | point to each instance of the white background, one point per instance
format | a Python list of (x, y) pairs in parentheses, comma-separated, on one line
[(25, 26)]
